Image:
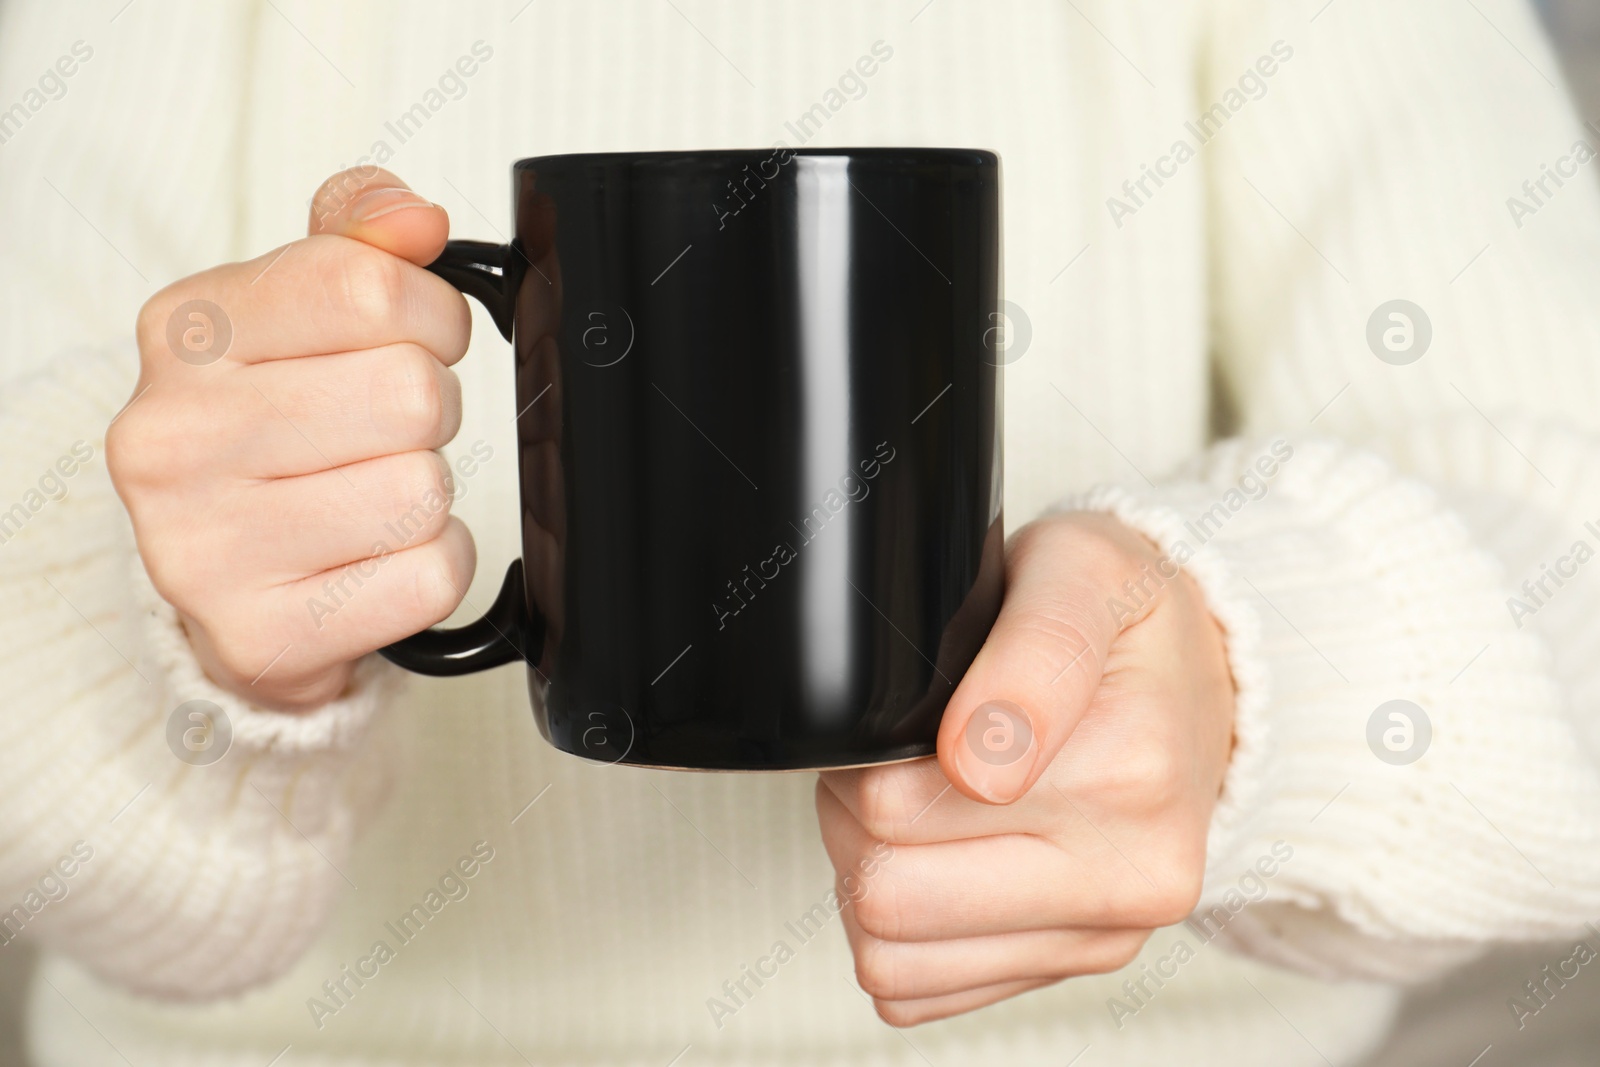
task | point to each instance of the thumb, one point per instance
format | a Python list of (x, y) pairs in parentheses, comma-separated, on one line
[(1041, 665), (373, 206)]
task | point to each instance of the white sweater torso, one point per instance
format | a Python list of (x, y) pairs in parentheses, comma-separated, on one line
[(616, 907)]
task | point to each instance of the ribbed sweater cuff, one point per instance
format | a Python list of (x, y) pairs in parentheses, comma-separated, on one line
[(261, 733), (1341, 587)]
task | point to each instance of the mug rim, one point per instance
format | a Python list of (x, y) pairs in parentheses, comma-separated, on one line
[(874, 153)]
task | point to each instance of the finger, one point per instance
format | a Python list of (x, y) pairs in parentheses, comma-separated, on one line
[(305, 638), (347, 612), (897, 970), (969, 888), (313, 297), (321, 521), (349, 407), (903, 1013), (1041, 664), (914, 803), (375, 207)]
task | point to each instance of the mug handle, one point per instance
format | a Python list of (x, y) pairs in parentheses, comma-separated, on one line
[(511, 625)]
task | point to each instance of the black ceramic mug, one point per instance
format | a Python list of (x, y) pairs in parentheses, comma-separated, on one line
[(758, 424)]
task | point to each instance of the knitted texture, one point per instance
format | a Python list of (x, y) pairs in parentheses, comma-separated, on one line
[(1185, 315)]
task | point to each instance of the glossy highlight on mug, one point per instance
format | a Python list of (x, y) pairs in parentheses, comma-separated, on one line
[(786, 551)]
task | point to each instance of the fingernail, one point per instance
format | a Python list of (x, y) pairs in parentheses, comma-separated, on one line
[(380, 202), (1000, 751)]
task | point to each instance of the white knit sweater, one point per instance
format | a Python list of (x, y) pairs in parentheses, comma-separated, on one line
[(1204, 206)]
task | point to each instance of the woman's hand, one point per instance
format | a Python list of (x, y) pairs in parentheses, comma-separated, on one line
[(1065, 818), (277, 458)]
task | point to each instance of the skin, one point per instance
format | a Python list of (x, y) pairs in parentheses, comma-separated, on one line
[(254, 480), (999, 880)]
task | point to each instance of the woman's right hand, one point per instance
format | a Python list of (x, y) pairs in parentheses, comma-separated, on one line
[(278, 456)]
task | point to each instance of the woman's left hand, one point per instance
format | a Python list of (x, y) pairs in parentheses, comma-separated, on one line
[(1065, 819)]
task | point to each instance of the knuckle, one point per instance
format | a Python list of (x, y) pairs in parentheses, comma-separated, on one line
[(1099, 537), (1031, 539), (435, 585), (877, 970), (1164, 907), (153, 325), (879, 913), (170, 563), (145, 450), (1146, 778), (885, 804), (458, 334), (898, 1013), (1171, 903), (159, 451), (368, 282), (170, 573), (1188, 881), (122, 452), (1117, 952), (1098, 545), (416, 394), (421, 496), (1083, 537), (1151, 776), (234, 653), (1185, 898), (150, 325), (190, 569), (418, 490)]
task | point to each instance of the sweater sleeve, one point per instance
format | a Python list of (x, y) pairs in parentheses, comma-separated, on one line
[(1395, 537), (179, 856)]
